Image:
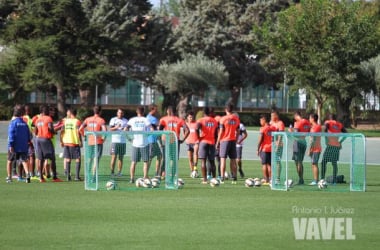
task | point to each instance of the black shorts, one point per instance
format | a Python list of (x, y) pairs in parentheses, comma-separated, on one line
[(118, 149), (154, 150), (315, 157), (227, 148), (190, 147), (299, 149), (206, 151), (19, 156), (91, 151), (140, 154), (331, 154), (266, 158), (71, 152), (239, 152), (45, 149)]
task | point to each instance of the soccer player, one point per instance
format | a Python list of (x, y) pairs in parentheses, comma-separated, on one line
[(45, 149), (264, 148), (94, 123), (333, 147), (71, 141), (207, 131), (140, 145), (171, 122), (19, 138), (226, 142), (315, 147), (299, 148), (118, 141), (155, 147), (31, 152), (239, 147), (280, 127), (192, 142)]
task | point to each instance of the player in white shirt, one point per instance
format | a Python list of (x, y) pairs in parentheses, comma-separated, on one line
[(239, 148), (140, 144), (118, 141)]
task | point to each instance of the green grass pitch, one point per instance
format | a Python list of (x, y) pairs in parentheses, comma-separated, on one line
[(65, 216)]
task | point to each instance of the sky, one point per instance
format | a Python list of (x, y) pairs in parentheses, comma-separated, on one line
[(155, 3)]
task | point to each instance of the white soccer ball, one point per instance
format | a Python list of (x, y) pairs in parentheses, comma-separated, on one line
[(194, 174), (111, 185), (249, 183), (214, 182), (155, 182), (147, 183), (180, 183), (289, 183), (322, 184), (139, 182), (226, 175)]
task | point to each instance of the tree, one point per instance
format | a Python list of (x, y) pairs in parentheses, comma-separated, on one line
[(370, 72), (321, 44), (192, 75)]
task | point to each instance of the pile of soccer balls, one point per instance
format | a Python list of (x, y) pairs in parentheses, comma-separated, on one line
[(252, 182), (148, 183)]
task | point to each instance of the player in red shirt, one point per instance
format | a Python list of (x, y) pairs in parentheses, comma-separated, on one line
[(44, 131), (94, 123), (171, 122), (207, 128), (279, 145), (227, 136), (315, 147), (192, 141), (333, 147), (300, 125), (264, 148)]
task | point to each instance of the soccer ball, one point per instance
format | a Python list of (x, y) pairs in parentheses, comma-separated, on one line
[(155, 182), (289, 183), (194, 174), (111, 185), (139, 182), (180, 183), (226, 175), (249, 183), (214, 182), (322, 184), (257, 182), (147, 183)]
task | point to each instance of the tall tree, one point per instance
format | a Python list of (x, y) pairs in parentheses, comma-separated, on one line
[(321, 44), (192, 75)]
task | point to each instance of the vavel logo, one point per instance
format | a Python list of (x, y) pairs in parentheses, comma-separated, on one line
[(323, 228)]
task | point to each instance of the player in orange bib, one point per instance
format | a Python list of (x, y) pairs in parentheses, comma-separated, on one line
[(227, 136), (264, 148), (279, 145), (315, 147), (207, 128), (333, 147), (94, 123), (192, 142)]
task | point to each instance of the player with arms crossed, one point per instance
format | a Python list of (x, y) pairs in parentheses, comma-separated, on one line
[(192, 141), (94, 123), (171, 122), (71, 141), (315, 147), (140, 145), (118, 141), (264, 148), (226, 142), (207, 128), (334, 146), (299, 148)]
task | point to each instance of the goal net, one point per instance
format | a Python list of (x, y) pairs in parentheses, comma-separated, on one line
[(301, 160), (111, 156)]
